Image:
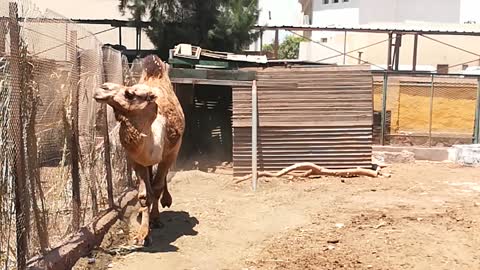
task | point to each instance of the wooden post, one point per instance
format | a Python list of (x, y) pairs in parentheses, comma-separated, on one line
[(261, 40), (432, 91), (16, 134), (415, 49), (476, 135), (254, 135), (3, 34), (74, 133), (108, 162), (276, 45), (384, 108), (389, 51)]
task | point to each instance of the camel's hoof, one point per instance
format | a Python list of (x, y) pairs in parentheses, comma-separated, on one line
[(142, 239), (166, 200)]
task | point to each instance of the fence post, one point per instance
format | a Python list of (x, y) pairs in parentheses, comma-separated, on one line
[(108, 161), (476, 135), (384, 108), (254, 135), (74, 133), (432, 92), (16, 133)]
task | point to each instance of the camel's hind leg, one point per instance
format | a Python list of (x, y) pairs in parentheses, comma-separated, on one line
[(145, 199), (158, 186)]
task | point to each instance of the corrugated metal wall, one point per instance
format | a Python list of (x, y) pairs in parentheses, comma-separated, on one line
[(322, 115)]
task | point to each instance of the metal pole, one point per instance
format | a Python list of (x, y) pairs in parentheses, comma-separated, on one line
[(254, 135), (384, 108), (476, 135), (432, 91), (120, 35), (389, 52), (344, 47), (275, 45), (415, 49)]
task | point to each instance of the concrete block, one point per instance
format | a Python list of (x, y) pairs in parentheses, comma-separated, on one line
[(467, 155), (395, 157)]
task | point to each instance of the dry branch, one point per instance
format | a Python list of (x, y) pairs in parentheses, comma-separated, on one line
[(312, 169), (65, 255)]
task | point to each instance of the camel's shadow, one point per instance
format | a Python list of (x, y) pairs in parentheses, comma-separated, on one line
[(173, 225)]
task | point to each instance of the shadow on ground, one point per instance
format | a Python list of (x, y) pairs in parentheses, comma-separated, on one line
[(173, 225)]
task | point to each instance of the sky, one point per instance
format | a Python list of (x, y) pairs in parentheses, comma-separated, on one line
[(282, 12)]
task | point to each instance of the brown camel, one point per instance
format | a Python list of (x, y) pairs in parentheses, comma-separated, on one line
[(152, 124)]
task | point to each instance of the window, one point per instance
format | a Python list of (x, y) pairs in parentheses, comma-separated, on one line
[(325, 2), (324, 40), (335, 1), (345, 1)]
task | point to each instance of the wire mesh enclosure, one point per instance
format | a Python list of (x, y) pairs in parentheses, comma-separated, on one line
[(426, 109), (57, 158)]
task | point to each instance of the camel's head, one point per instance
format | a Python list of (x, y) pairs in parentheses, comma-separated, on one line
[(133, 100)]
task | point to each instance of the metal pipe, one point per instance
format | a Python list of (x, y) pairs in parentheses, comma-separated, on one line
[(384, 108), (276, 45), (476, 135), (344, 47), (415, 49), (432, 91), (254, 135), (389, 51), (120, 35)]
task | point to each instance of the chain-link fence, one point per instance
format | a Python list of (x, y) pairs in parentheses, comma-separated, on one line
[(425, 109), (55, 140)]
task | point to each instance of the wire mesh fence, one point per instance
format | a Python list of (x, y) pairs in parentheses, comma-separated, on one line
[(425, 109), (56, 163)]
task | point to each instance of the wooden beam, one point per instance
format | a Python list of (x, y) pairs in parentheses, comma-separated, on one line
[(16, 134), (65, 255), (74, 132), (210, 82)]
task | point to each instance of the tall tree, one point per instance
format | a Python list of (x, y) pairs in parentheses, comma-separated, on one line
[(212, 24)]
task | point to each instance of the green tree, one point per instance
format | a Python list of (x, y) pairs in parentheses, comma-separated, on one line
[(213, 24), (288, 49)]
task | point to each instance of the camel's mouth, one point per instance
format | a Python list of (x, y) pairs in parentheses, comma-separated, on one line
[(103, 94)]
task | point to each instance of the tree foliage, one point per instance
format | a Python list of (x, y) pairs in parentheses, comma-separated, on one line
[(214, 24), (288, 49)]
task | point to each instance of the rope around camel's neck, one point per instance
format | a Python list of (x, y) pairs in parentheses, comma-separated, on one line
[(132, 136)]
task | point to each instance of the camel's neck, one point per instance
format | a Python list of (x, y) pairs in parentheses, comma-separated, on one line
[(133, 129)]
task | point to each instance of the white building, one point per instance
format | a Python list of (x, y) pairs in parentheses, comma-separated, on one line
[(454, 14)]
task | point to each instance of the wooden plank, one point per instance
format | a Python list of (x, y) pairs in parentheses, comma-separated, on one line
[(209, 82)]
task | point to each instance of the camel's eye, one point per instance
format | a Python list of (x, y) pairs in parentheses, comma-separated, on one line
[(129, 95)]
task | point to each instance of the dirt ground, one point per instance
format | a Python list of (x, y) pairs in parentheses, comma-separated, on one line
[(426, 216)]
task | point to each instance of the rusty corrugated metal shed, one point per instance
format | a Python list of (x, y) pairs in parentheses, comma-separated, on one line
[(322, 115)]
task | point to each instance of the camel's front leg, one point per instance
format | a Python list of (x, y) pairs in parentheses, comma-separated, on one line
[(145, 199)]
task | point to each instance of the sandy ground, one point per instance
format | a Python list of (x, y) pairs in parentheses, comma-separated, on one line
[(427, 216)]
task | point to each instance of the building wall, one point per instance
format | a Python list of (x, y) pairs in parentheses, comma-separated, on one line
[(430, 53)]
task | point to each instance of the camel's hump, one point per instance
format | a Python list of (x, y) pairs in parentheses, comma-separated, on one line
[(153, 66)]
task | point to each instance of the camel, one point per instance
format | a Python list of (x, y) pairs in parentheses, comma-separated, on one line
[(152, 124)]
